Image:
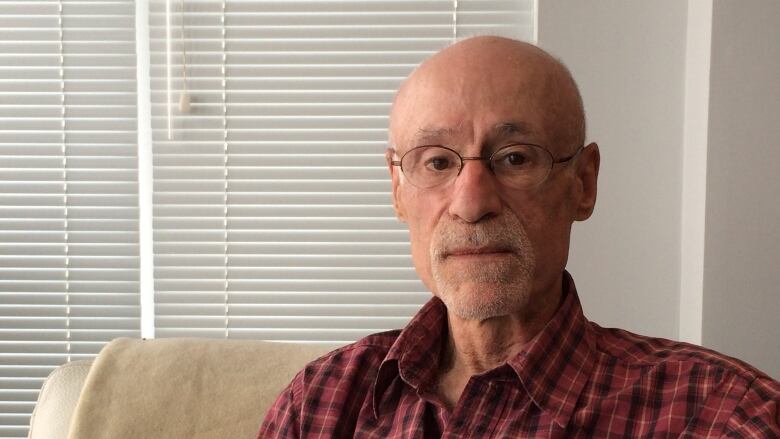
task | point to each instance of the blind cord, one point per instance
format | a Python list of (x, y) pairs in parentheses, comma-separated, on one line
[(168, 67), (185, 100), (454, 21)]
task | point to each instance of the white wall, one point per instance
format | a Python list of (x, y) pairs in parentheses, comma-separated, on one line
[(629, 60), (683, 98), (742, 239)]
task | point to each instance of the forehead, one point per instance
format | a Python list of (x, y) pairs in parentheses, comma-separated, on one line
[(470, 105), (431, 134)]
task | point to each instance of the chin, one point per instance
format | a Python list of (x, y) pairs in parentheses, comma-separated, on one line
[(477, 301), (483, 292)]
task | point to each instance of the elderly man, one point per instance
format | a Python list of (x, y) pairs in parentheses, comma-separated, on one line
[(489, 171)]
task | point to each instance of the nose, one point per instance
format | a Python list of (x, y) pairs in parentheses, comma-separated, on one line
[(475, 193)]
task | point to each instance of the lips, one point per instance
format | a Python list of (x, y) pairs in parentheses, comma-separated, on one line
[(477, 251)]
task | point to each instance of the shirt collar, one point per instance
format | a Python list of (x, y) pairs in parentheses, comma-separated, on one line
[(556, 364), (553, 367), (414, 356)]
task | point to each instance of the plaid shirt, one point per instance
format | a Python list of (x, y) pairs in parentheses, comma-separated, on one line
[(573, 380)]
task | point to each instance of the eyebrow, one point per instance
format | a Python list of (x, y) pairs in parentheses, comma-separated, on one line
[(427, 134), (512, 128)]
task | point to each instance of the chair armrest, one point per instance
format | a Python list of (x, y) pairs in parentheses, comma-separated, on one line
[(57, 399)]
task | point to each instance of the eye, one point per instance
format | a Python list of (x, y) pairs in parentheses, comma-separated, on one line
[(515, 159), (438, 163)]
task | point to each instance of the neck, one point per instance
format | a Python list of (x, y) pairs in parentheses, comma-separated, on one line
[(476, 346)]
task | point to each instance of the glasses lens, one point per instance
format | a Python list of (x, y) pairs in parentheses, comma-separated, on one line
[(521, 166), (429, 166)]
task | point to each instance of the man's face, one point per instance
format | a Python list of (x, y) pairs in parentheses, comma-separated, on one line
[(485, 249)]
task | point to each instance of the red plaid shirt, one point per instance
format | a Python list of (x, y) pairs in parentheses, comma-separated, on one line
[(573, 380)]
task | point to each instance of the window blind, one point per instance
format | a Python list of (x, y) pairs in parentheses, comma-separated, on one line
[(68, 190), (272, 209)]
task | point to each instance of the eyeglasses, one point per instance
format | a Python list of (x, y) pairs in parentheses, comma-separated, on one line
[(520, 165)]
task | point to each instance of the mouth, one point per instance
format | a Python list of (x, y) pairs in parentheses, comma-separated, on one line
[(475, 252)]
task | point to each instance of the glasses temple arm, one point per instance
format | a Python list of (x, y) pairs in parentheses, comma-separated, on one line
[(571, 157)]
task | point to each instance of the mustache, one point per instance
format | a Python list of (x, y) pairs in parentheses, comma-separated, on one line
[(497, 234)]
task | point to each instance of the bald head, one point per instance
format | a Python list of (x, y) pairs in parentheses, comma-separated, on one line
[(493, 72)]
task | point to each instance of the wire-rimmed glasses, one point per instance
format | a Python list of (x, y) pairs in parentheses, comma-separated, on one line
[(519, 165)]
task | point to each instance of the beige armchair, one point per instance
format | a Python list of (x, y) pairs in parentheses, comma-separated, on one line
[(168, 388)]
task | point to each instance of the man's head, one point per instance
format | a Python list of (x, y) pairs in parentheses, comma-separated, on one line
[(484, 247)]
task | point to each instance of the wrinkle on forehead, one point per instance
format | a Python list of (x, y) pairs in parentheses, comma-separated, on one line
[(502, 129)]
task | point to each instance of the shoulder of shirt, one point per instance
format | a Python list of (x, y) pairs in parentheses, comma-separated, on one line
[(639, 351), (372, 347)]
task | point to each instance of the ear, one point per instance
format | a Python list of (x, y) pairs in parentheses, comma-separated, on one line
[(587, 169), (395, 176)]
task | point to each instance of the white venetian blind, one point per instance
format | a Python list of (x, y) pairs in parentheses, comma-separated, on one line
[(68, 190), (272, 209)]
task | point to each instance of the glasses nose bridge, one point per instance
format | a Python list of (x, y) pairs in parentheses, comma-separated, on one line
[(488, 161)]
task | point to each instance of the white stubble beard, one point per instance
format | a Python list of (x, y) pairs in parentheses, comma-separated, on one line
[(479, 292)]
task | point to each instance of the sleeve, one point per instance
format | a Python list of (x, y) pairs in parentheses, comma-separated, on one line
[(282, 419), (757, 415)]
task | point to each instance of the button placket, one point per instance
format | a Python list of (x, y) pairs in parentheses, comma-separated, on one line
[(466, 414)]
